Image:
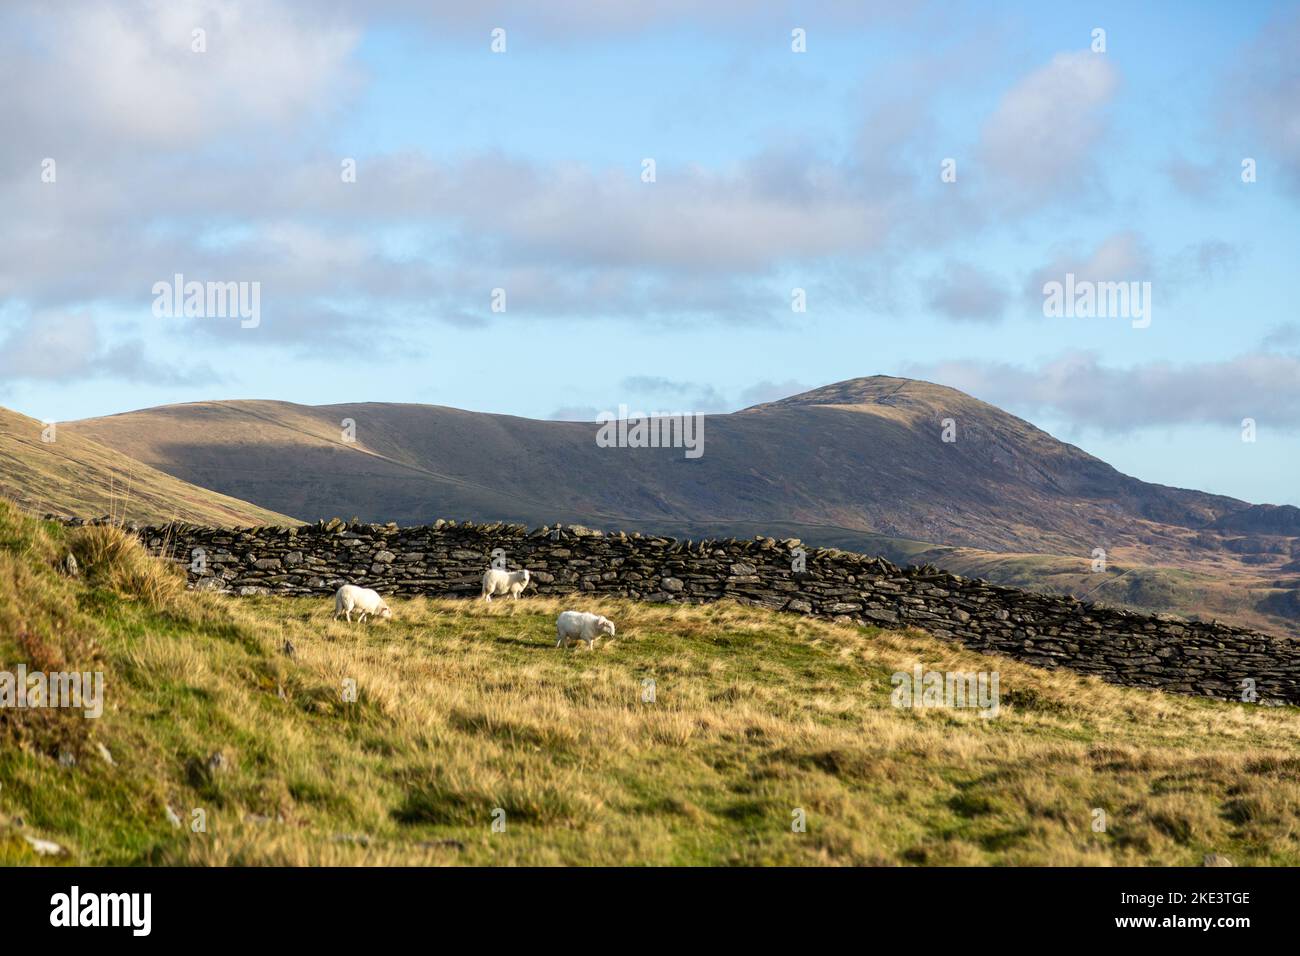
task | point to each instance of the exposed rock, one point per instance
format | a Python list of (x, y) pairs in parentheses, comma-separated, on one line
[(44, 847)]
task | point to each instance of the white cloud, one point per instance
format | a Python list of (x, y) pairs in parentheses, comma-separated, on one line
[(67, 346), (1079, 388), (685, 396), (1037, 144), (103, 77), (1263, 103), (1120, 257)]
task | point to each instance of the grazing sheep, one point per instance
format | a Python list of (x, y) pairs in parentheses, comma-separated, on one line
[(503, 582), (352, 598), (581, 626)]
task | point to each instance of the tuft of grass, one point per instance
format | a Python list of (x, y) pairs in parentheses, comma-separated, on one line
[(465, 715), (114, 558)]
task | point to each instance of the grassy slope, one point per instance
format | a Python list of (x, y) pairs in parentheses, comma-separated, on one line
[(76, 475), (465, 707)]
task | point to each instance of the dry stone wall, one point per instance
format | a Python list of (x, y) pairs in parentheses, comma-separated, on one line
[(448, 559)]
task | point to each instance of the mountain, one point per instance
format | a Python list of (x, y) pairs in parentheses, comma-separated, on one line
[(74, 474), (863, 456)]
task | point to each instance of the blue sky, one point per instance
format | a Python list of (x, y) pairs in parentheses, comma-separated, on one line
[(775, 170)]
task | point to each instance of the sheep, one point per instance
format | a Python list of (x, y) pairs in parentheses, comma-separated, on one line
[(503, 582), (581, 626), (352, 598)]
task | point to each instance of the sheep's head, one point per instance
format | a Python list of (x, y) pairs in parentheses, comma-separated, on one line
[(607, 626), (526, 577), (385, 612)]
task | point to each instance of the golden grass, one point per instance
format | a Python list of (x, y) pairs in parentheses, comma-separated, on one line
[(76, 475), (114, 558)]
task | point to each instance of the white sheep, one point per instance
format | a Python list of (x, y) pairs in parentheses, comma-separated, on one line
[(503, 582), (351, 598), (581, 626)]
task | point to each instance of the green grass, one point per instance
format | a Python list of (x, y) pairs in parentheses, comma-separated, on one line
[(463, 709)]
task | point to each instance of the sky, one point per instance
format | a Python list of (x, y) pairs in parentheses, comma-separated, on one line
[(554, 210)]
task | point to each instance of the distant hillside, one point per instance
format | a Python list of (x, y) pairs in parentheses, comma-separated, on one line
[(76, 475), (862, 456), (1263, 519)]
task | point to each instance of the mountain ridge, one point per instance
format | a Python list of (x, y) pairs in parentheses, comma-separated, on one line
[(475, 463)]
